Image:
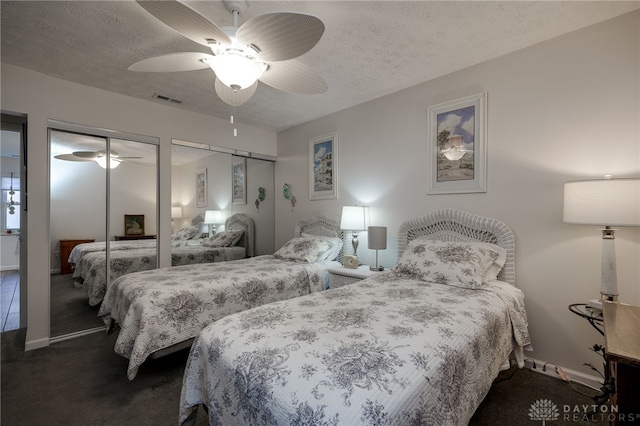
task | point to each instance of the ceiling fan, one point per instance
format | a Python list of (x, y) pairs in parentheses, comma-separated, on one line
[(99, 157), (262, 49)]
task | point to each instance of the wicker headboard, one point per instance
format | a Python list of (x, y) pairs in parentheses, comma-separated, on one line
[(243, 221), (324, 224), (457, 225)]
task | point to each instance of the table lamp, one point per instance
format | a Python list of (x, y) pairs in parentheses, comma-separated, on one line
[(354, 219), (604, 202), (377, 241), (211, 218)]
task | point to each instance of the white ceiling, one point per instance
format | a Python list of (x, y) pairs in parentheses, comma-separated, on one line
[(369, 49)]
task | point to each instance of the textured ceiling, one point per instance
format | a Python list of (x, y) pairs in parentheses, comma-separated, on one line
[(369, 49)]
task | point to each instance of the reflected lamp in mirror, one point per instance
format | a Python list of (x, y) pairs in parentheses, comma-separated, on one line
[(176, 212), (377, 241), (354, 219), (608, 203), (212, 218)]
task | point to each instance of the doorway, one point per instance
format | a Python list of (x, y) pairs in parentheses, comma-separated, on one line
[(13, 226)]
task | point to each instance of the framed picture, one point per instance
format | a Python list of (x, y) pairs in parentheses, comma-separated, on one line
[(133, 224), (239, 181), (457, 146), (201, 188), (323, 167)]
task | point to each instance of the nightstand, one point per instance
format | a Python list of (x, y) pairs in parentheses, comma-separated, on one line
[(622, 344), (134, 237), (65, 250), (594, 316), (341, 276)]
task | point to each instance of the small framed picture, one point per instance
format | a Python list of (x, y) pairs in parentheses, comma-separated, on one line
[(239, 181), (323, 167), (201, 188), (457, 146), (133, 224)]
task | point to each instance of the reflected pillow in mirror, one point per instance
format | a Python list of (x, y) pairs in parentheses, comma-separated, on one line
[(460, 264), (225, 238), (335, 242), (185, 233), (303, 249)]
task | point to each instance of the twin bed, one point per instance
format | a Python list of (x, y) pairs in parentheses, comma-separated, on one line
[(90, 262), (420, 344), (162, 310)]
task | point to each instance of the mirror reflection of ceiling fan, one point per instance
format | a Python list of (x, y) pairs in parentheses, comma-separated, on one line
[(99, 157), (262, 49)]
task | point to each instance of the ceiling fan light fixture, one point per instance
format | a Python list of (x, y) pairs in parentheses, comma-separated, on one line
[(236, 70), (102, 162)]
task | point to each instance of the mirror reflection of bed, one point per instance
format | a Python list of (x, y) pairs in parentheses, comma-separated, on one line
[(79, 214), (79, 181)]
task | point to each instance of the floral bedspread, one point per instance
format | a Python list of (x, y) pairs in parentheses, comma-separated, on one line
[(81, 249), (160, 308), (90, 272), (387, 350)]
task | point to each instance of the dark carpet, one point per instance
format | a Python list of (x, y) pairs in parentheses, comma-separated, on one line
[(70, 309), (82, 382)]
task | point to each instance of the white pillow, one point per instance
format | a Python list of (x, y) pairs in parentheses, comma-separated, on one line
[(225, 238), (303, 249), (335, 242), (461, 264), (185, 233)]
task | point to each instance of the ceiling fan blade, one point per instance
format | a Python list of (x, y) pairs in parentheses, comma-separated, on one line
[(172, 62), (185, 20), (282, 35), (233, 97), (294, 77), (90, 155), (71, 157)]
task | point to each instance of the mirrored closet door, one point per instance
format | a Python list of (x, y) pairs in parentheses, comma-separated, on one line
[(103, 199), (192, 161)]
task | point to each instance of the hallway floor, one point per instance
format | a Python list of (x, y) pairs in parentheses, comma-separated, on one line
[(9, 300)]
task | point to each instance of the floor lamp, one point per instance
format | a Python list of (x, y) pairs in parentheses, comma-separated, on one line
[(608, 203)]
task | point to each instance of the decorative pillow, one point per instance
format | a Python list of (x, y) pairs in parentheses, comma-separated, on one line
[(335, 242), (185, 233), (461, 264), (304, 249), (225, 238)]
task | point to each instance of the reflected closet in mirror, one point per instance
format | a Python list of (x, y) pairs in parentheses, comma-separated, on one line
[(97, 178), (202, 180)]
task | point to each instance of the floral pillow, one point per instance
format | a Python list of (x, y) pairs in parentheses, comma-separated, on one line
[(335, 242), (185, 233), (460, 264), (225, 238), (305, 249)]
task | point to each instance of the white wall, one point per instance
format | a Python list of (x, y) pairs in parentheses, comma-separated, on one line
[(561, 110), (42, 97), (183, 184)]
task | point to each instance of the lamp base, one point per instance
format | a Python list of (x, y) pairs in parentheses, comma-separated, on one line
[(376, 268)]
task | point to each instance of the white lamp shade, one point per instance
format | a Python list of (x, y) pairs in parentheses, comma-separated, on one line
[(176, 212), (605, 202), (212, 216), (377, 237), (354, 218)]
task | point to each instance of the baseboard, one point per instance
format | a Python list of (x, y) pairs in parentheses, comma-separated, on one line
[(36, 344), (549, 369), (77, 334), (10, 268)]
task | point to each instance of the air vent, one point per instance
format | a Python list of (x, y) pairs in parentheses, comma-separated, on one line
[(166, 98)]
